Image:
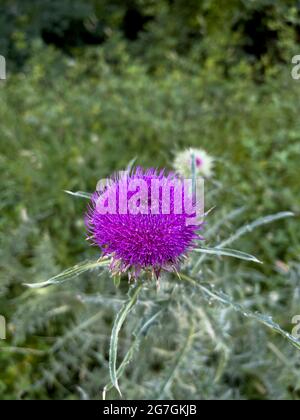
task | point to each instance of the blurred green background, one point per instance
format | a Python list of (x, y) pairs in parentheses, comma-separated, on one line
[(93, 84)]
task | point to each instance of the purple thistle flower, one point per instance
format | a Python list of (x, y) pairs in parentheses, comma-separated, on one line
[(148, 237)]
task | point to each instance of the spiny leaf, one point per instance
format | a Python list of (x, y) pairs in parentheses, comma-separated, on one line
[(255, 224), (80, 194), (142, 331), (70, 273), (261, 318), (228, 252), (244, 230)]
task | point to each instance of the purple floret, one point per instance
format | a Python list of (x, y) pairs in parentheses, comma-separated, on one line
[(138, 242)]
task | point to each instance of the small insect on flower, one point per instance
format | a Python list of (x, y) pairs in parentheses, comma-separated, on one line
[(140, 219), (204, 163)]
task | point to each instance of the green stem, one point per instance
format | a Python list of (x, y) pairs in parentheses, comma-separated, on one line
[(119, 321)]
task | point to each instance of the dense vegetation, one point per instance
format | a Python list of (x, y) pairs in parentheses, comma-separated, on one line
[(93, 84)]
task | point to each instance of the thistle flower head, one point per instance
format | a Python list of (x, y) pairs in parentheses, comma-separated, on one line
[(204, 163), (137, 232)]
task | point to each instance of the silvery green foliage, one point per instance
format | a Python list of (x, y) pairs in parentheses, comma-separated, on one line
[(58, 132), (209, 332)]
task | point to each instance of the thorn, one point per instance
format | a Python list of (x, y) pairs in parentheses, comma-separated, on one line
[(178, 274)]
